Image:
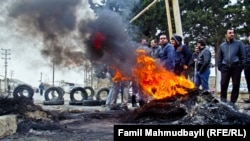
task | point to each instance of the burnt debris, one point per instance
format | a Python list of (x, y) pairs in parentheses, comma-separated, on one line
[(195, 108)]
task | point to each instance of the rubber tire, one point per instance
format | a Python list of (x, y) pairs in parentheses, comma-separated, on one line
[(91, 103), (59, 92), (63, 92), (98, 94), (75, 103), (18, 91), (53, 102), (92, 91), (84, 94)]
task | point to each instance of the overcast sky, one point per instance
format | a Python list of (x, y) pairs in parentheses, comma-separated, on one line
[(25, 60)]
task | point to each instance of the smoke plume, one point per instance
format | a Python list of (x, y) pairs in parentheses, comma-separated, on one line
[(71, 40)]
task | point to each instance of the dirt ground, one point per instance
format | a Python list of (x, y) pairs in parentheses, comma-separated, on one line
[(76, 123), (79, 123)]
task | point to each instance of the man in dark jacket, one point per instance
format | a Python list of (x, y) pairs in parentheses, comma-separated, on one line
[(182, 56), (247, 67), (192, 63), (203, 66), (231, 59), (41, 87), (155, 49)]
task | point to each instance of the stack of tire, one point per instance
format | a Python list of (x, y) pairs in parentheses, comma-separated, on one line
[(84, 96), (54, 96)]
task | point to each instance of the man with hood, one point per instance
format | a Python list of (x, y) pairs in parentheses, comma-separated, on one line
[(182, 56)]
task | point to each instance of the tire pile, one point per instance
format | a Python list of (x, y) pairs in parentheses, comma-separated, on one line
[(84, 96)]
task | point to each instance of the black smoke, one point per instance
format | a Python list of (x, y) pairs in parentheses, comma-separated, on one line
[(117, 49), (56, 21)]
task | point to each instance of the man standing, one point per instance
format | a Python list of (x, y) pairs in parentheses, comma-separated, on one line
[(203, 66), (231, 59), (247, 67), (155, 49), (182, 56), (41, 88), (192, 63), (167, 53)]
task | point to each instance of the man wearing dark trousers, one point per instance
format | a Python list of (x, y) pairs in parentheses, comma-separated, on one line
[(247, 67), (41, 87), (231, 60)]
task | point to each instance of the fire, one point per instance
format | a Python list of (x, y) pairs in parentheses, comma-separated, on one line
[(156, 81), (118, 75), (99, 38)]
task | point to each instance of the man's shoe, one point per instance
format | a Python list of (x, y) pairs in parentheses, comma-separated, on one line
[(233, 105), (134, 105), (124, 108), (114, 108), (246, 100)]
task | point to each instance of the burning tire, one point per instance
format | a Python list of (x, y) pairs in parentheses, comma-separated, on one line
[(23, 90), (78, 94), (53, 94), (92, 92), (102, 94)]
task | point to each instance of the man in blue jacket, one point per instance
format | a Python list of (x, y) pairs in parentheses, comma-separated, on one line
[(167, 53), (231, 60)]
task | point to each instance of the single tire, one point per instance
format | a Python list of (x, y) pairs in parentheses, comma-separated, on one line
[(92, 91), (91, 103), (53, 94), (62, 90), (103, 102), (75, 103), (102, 94), (77, 90), (23, 90), (53, 102)]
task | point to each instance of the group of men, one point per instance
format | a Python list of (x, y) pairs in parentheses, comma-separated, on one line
[(177, 58)]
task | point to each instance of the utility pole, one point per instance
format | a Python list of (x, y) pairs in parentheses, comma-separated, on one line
[(41, 77), (53, 75), (177, 17), (144, 10), (11, 74), (5, 54), (170, 30)]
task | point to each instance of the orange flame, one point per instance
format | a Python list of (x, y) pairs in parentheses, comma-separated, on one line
[(118, 76), (156, 81)]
